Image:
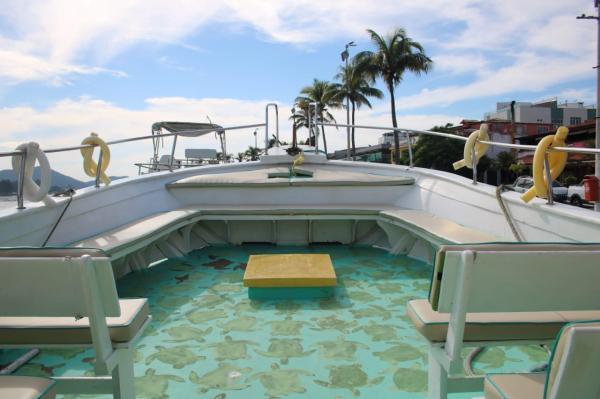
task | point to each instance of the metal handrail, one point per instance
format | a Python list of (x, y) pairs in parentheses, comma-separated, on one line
[(575, 150), (266, 125), (128, 140), (23, 154)]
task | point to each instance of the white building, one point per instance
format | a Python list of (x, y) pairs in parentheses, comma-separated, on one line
[(388, 138), (545, 111)]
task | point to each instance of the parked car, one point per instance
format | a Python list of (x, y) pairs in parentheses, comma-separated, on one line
[(524, 183), (575, 195)]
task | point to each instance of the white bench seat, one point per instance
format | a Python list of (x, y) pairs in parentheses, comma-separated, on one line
[(18, 387), (68, 330), (515, 386), (436, 229), (130, 237), (497, 326)]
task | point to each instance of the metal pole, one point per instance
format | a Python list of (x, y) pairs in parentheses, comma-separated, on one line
[(597, 158), (474, 161), (346, 57), (98, 169), (276, 125), (312, 124), (172, 153), (20, 182), (266, 130), (316, 128), (410, 156), (597, 67), (224, 145), (347, 123), (548, 179)]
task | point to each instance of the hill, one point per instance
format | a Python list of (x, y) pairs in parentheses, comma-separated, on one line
[(60, 182)]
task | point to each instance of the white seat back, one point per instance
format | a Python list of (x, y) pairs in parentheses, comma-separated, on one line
[(575, 363), (55, 283), (515, 278)]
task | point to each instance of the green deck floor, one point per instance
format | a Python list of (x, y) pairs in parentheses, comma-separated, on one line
[(209, 340)]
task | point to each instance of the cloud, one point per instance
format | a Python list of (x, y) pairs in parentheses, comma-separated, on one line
[(587, 95), (496, 46), (17, 67), (69, 121), (529, 73)]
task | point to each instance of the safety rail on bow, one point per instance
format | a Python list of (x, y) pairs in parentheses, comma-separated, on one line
[(409, 132), (23, 156), (313, 123)]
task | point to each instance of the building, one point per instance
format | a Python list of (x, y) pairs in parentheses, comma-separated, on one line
[(388, 138), (380, 153), (548, 111)]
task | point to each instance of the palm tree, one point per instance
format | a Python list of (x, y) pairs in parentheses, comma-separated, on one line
[(252, 153), (357, 87), (322, 93), (394, 55)]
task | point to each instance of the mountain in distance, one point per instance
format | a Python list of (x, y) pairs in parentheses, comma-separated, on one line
[(59, 180)]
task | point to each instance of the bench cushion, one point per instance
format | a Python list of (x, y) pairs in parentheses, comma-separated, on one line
[(514, 386), (434, 228), (50, 252), (138, 231), (328, 177), (18, 387), (498, 326), (68, 330)]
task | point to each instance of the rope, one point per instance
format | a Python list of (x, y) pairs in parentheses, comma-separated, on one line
[(19, 362), (509, 220), (470, 358), (70, 193)]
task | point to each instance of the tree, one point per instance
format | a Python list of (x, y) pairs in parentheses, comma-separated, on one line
[(322, 93), (356, 86), (440, 153), (503, 162), (240, 157), (252, 154), (394, 55)]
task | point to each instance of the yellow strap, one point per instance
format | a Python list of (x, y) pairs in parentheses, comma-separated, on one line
[(480, 148), (89, 164), (556, 160)]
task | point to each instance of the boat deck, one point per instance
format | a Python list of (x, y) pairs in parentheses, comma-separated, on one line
[(207, 338)]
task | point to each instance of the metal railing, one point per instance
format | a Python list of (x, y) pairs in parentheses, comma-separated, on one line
[(23, 153), (408, 132), (312, 124)]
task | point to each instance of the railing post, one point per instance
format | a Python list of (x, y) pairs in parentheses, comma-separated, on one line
[(98, 169), (172, 153), (276, 125), (410, 155), (312, 125), (548, 179), (21, 179), (267, 126), (474, 161)]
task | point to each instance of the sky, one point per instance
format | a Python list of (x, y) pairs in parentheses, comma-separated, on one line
[(71, 67)]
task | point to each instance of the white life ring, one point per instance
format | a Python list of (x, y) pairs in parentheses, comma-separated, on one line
[(31, 191)]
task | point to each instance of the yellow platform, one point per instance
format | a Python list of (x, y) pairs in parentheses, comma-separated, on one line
[(290, 270)]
